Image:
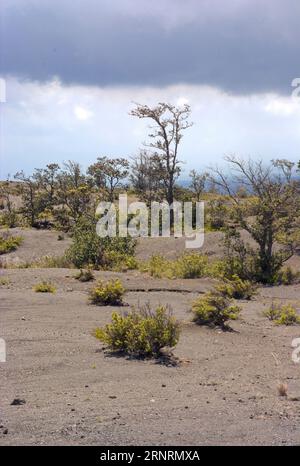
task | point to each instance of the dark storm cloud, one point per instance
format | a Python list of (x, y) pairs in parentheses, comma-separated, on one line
[(241, 46)]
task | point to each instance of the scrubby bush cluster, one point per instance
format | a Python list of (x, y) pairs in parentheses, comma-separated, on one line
[(9, 243), (140, 333), (85, 275), (186, 266), (107, 293), (214, 309), (90, 250), (44, 287), (282, 314), (237, 288)]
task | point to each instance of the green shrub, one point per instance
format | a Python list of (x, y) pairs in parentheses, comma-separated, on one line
[(282, 314), (190, 266), (119, 261), (214, 309), (52, 262), (141, 333), (9, 219), (187, 266), (4, 281), (109, 293), (287, 276), (89, 249), (9, 243), (85, 275), (237, 288), (157, 266), (44, 287)]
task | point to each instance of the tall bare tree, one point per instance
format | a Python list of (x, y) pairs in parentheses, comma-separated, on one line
[(165, 137), (197, 184)]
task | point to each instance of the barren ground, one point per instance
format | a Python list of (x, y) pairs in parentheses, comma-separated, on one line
[(223, 392)]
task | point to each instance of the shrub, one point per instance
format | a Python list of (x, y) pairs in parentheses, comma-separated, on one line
[(51, 262), (157, 266), (214, 309), (44, 287), (287, 276), (190, 266), (282, 314), (187, 266), (85, 275), (237, 288), (141, 333), (4, 281), (89, 249), (9, 243), (108, 293), (119, 261)]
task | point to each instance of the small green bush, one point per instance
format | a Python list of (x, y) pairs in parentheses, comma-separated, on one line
[(85, 275), (214, 309), (4, 281), (141, 333), (287, 276), (89, 249), (119, 261), (190, 266), (187, 266), (282, 314), (9, 243), (157, 266), (237, 288), (52, 262), (109, 293), (44, 287)]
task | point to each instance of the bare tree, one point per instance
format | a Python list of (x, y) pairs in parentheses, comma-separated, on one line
[(108, 174), (145, 177), (270, 214), (198, 181), (166, 135)]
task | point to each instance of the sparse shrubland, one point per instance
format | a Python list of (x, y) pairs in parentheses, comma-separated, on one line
[(237, 288), (85, 275), (44, 287), (9, 243), (107, 293), (141, 333), (282, 314), (214, 309)]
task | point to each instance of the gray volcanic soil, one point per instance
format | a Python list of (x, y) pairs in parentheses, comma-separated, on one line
[(224, 391)]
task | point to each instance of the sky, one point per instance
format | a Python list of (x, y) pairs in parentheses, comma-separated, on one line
[(74, 68)]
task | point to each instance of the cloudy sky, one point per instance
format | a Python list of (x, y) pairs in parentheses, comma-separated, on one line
[(73, 68)]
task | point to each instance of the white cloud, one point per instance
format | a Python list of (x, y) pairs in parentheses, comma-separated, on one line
[(283, 106), (82, 113), (48, 119)]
